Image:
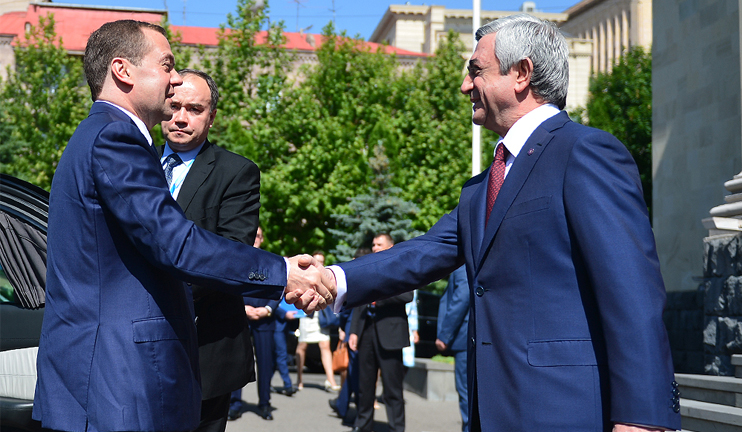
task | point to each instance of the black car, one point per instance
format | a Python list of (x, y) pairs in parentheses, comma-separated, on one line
[(24, 211)]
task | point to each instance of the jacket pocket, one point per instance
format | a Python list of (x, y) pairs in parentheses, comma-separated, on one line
[(158, 329), (562, 353), (530, 206)]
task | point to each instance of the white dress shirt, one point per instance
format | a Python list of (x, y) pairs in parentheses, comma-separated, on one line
[(180, 171)]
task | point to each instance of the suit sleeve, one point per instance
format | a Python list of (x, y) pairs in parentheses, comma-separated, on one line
[(239, 210), (608, 220), (456, 308), (132, 192), (416, 263)]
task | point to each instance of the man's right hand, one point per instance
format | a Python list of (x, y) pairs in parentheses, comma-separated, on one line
[(440, 345), (353, 342), (309, 287)]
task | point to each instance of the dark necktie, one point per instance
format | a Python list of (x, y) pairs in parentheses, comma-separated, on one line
[(497, 176), (171, 161)]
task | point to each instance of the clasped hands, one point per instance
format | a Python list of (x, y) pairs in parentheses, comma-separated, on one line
[(310, 287)]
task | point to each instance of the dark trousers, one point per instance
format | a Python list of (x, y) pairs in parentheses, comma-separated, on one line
[(263, 342), (350, 386), (281, 357), (371, 357), (214, 414), (461, 387)]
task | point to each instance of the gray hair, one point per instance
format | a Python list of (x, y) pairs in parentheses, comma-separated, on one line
[(524, 36), (214, 92)]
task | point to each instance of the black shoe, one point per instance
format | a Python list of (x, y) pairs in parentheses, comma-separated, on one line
[(288, 391), (233, 414), (265, 413), (348, 422)]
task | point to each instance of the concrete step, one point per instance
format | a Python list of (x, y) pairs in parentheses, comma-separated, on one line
[(700, 416), (722, 390)]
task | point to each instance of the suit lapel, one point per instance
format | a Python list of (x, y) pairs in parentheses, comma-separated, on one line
[(478, 209), (517, 176), (200, 170)]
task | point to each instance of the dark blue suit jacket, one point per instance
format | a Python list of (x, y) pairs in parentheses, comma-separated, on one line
[(453, 311), (566, 330), (118, 344)]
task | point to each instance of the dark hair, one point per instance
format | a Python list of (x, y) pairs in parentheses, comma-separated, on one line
[(123, 39), (318, 252), (214, 92), (361, 251)]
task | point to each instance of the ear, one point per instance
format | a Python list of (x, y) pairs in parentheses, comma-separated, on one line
[(121, 70), (212, 116), (523, 72)]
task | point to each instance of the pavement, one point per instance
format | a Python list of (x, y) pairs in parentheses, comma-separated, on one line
[(308, 411)]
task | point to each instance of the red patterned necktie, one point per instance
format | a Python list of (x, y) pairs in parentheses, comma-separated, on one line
[(497, 176)]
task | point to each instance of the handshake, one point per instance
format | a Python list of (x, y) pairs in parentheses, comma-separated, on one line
[(310, 287)]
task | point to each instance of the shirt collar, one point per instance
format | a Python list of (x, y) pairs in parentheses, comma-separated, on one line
[(519, 133), (137, 121), (186, 156)]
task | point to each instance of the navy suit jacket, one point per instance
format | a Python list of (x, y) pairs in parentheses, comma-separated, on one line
[(118, 344), (453, 311), (566, 330)]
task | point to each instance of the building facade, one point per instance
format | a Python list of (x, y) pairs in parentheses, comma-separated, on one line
[(613, 26), (421, 28)]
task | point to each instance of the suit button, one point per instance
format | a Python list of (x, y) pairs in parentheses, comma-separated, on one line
[(675, 384), (472, 341), (479, 291), (676, 407), (262, 277), (675, 392), (251, 276)]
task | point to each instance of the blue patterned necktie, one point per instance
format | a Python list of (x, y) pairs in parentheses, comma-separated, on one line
[(171, 161)]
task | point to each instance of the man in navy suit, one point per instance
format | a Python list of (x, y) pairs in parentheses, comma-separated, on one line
[(565, 324), (453, 325), (118, 348), (219, 191)]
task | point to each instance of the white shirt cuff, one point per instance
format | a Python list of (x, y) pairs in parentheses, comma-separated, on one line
[(342, 288)]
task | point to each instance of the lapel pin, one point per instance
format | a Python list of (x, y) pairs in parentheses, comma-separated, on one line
[(530, 152)]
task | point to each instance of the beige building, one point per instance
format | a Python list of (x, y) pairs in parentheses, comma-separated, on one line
[(420, 28), (612, 25)]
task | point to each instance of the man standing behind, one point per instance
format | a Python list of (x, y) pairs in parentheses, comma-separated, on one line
[(565, 324), (118, 348), (379, 331), (219, 191), (453, 325)]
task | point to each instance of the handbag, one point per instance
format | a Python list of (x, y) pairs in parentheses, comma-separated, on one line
[(340, 357)]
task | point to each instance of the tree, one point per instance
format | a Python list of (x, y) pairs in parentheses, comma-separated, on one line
[(381, 210), (44, 99), (620, 102)]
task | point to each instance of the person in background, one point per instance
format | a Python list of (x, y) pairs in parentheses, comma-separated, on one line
[(408, 353), (379, 331), (262, 322), (349, 390), (219, 191), (453, 325), (311, 332), (284, 314)]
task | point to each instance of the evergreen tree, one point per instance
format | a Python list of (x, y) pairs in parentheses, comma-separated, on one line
[(381, 210)]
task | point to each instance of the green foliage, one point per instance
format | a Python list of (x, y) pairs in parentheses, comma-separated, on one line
[(183, 54), (620, 102), (44, 99)]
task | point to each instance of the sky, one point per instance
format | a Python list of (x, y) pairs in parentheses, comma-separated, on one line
[(356, 17)]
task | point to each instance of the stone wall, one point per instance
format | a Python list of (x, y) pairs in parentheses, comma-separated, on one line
[(722, 333)]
